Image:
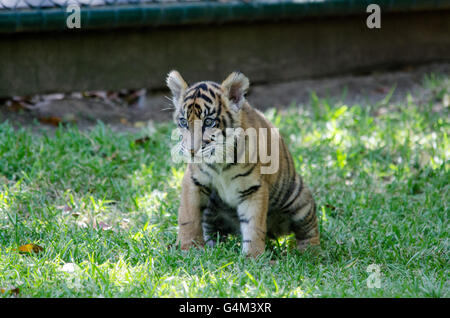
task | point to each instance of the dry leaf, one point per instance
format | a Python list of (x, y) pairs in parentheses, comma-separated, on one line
[(30, 248), (76, 214), (53, 120), (16, 105), (13, 291), (142, 140), (96, 94)]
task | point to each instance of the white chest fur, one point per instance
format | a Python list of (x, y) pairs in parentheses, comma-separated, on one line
[(221, 180)]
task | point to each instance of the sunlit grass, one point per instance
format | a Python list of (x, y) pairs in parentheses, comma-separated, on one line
[(104, 208)]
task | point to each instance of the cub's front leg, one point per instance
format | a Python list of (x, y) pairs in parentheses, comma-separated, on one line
[(252, 213), (189, 214)]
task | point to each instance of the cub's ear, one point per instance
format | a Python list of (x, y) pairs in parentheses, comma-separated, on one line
[(176, 84), (235, 86)]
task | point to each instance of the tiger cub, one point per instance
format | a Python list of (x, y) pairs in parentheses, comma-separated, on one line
[(238, 195)]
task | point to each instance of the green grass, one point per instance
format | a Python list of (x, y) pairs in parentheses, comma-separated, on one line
[(380, 182)]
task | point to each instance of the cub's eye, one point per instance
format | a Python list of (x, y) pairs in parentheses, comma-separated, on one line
[(182, 122), (209, 122)]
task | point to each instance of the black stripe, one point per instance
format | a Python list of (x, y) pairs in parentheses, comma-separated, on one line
[(310, 223), (298, 208), (194, 94), (219, 108), (225, 123), (205, 189), (211, 92), (280, 191), (275, 194), (287, 191), (230, 118), (198, 110), (281, 188), (208, 110), (206, 98), (202, 86), (297, 193), (212, 167), (245, 193), (245, 173), (203, 171), (228, 166)]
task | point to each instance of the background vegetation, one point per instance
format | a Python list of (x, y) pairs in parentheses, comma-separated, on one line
[(103, 207)]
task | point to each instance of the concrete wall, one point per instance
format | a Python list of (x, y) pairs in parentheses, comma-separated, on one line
[(266, 52)]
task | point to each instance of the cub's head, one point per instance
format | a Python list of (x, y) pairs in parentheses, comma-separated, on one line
[(205, 110)]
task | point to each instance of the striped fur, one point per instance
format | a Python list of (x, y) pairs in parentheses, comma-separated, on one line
[(218, 199)]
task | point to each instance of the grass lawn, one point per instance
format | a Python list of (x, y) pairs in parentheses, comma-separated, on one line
[(103, 205)]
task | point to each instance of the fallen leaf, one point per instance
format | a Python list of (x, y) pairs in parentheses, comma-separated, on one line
[(53, 120), (30, 248), (13, 291), (142, 140), (16, 105), (95, 94)]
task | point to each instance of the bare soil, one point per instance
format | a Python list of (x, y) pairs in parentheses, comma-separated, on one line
[(47, 111)]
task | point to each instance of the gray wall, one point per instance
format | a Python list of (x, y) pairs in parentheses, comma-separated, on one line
[(266, 52)]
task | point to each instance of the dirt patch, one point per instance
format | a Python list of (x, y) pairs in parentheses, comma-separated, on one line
[(123, 113)]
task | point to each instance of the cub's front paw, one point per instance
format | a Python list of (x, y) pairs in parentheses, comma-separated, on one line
[(195, 243), (253, 249)]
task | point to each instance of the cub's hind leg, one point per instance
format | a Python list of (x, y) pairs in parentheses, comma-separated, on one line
[(306, 227), (304, 221), (214, 220), (209, 228)]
